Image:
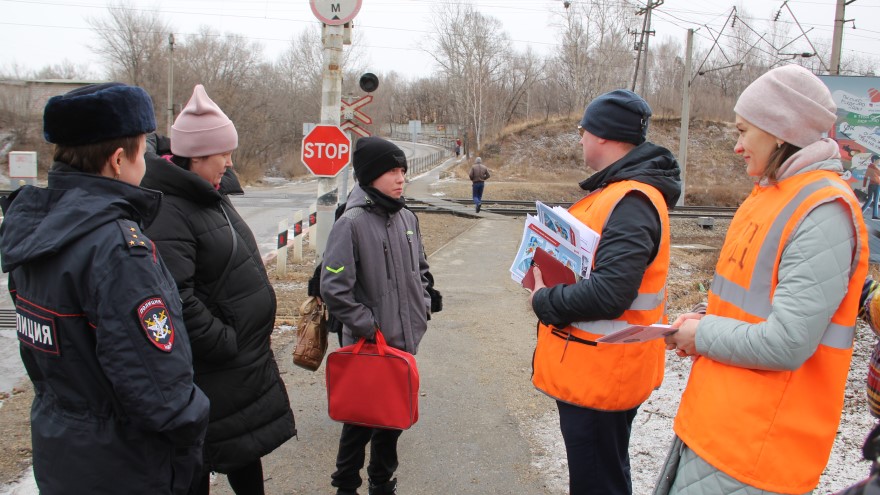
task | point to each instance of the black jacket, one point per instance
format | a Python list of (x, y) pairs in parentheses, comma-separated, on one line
[(102, 338), (629, 242), (230, 335)]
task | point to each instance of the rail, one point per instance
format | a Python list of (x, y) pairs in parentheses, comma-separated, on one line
[(519, 208)]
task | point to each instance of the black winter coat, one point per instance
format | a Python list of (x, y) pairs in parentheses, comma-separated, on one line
[(101, 334), (230, 335)]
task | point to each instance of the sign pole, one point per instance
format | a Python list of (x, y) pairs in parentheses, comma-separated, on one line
[(331, 94)]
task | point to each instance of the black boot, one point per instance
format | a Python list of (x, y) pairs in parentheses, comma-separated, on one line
[(478, 208), (387, 488)]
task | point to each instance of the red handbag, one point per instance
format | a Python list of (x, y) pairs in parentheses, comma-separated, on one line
[(373, 385)]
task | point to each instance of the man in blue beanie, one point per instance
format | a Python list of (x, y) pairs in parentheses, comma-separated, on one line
[(598, 389)]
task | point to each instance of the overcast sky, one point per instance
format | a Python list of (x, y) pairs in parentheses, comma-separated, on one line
[(37, 33)]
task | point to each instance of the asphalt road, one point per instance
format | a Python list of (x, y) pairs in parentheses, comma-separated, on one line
[(477, 408)]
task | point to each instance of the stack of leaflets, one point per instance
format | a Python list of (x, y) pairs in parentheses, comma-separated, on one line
[(560, 234)]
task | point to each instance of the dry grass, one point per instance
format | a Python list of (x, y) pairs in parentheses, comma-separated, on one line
[(548, 151)]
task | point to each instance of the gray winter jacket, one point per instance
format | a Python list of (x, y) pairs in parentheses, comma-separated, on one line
[(813, 276), (374, 274)]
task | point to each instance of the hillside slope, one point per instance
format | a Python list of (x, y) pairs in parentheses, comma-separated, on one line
[(539, 153)]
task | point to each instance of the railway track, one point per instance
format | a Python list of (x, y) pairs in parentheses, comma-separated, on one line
[(520, 208)]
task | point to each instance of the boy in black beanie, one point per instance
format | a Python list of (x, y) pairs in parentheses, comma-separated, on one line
[(375, 276)]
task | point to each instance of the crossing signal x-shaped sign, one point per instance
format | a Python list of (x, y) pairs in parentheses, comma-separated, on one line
[(351, 111)]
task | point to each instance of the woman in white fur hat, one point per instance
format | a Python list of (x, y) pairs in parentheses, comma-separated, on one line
[(772, 350)]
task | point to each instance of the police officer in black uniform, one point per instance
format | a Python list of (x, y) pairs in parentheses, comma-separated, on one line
[(99, 316)]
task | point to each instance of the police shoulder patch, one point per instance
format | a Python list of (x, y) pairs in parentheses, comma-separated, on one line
[(156, 323), (137, 242)]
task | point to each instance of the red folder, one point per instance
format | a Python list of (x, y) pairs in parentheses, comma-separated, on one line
[(552, 271)]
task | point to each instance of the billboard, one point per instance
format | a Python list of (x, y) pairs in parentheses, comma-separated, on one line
[(857, 130)]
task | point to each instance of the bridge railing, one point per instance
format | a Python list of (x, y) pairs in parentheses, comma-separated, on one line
[(421, 164)]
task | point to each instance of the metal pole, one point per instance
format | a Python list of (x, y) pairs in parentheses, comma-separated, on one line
[(641, 47), (685, 114), (647, 37), (331, 98), (170, 83), (837, 40)]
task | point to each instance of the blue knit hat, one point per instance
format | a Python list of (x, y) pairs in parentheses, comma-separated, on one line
[(98, 112), (618, 115)]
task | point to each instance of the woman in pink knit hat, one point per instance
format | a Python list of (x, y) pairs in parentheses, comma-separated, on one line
[(772, 349), (228, 302)]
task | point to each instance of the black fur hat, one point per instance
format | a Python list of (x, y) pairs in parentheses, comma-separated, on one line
[(98, 112)]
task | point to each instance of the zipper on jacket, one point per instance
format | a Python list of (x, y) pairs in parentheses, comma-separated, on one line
[(412, 259), (387, 265)]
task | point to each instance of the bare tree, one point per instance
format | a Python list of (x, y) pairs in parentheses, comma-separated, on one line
[(133, 45), (64, 70), (594, 53), (523, 72), (470, 49)]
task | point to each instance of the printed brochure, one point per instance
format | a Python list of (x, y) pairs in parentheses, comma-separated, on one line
[(557, 232)]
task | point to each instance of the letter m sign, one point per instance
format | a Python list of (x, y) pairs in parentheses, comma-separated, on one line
[(335, 12)]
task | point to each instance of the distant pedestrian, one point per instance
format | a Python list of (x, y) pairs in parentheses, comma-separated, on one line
[(872, 180), (479, 174), (229, 303), (457, 147), (100, 323), (598, 390), (375, 278), (773, 347)]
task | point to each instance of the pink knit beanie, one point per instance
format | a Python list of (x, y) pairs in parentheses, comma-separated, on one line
[(202, 129), (790, 103)]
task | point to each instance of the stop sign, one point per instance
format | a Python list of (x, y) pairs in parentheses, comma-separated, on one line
[(325, 150)]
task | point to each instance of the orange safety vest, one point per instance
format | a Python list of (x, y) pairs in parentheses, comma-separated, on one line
[(772, 429), (610, 377)]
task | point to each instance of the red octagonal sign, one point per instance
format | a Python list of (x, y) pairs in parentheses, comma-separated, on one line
[(325, 150)]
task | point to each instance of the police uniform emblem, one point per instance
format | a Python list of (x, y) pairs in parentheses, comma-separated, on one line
[(156, 322)]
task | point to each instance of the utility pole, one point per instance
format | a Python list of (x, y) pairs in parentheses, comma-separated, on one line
[(648, 34), (336, 16), (837, 40), (170, 83), (331, 97), (685, 114), (643, 44)]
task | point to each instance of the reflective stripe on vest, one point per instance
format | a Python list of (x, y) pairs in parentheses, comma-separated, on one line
[(772, 429), (642, 302), (569, 366), (757, 299)]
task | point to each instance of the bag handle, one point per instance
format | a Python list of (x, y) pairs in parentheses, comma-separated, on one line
[(380, 343)]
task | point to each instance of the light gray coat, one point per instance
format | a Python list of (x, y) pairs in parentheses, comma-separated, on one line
[(374, 274), (813, 276)]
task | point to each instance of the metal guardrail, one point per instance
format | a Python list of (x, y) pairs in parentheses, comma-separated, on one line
[(422, 164)]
